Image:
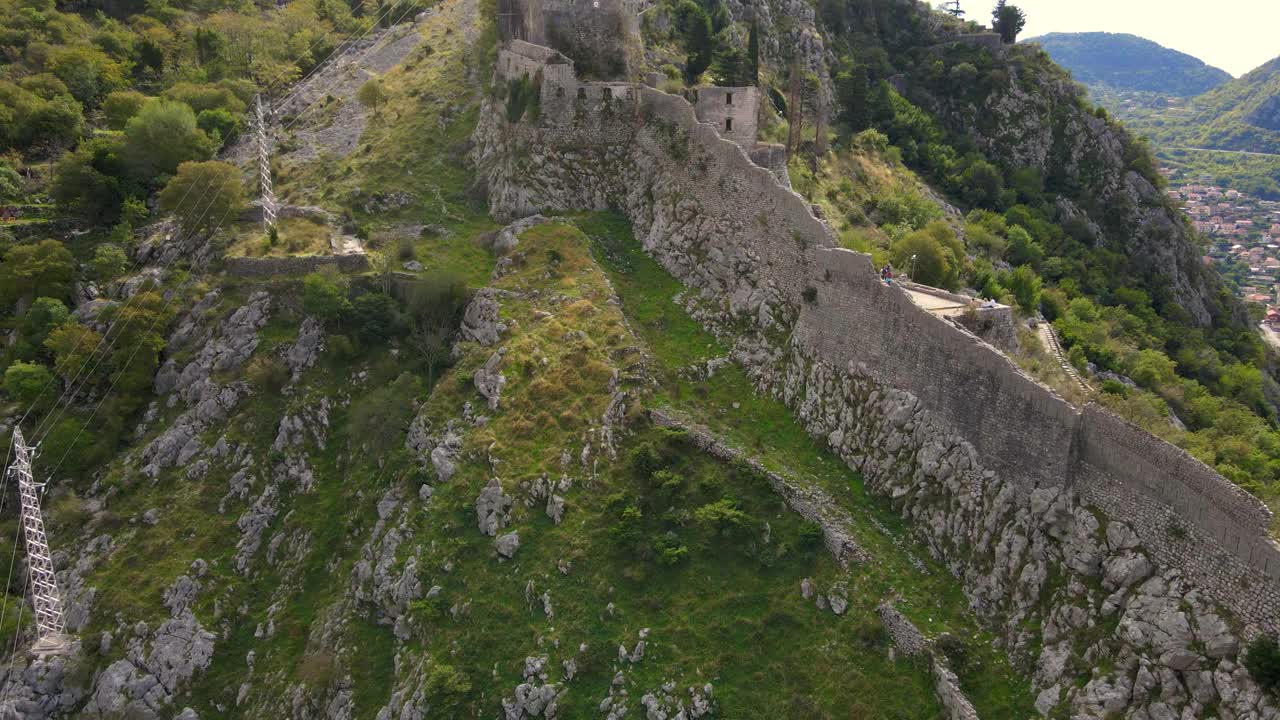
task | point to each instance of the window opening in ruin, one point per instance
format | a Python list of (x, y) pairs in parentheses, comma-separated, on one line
[(608, 93), (559, 91), (728, 98), (582, 93), (728, 124)]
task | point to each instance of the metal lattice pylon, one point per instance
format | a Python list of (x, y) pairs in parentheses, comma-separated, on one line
[(44, 586), (264, 165)]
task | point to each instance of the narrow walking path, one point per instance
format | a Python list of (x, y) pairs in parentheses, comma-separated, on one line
[(1049, 339)]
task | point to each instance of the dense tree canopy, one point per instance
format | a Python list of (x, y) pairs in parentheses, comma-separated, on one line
[(203, 195)]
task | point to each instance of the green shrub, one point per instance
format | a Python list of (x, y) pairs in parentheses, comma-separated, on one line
[(724, 517), (1023, 282), (109, 261), (374, 316), (931, 256), (42, 317), (268, 374), (219, 124), (324, 294), (447, 688), (524, 97), (121, 105), (810, 535), (25, 381), (956, 652), (378, 419), (1114, 387), (406, 250), (1263, 662), (669, 550)]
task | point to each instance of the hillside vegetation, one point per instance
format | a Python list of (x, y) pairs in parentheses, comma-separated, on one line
[(435, 487)]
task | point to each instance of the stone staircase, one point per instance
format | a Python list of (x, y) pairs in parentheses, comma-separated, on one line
[(1049, 339)]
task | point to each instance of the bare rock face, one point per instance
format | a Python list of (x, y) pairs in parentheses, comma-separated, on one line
[(535, 697), (39, 688), (208, 402), (157, 665), (304, 351), (480, 321), (493, 508), (489, 380), (1168, 638)]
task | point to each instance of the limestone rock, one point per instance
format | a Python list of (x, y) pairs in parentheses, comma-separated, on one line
[(506, 545), (489, 380), (492, 508), (308, 346), (508, 237), (480, 322)]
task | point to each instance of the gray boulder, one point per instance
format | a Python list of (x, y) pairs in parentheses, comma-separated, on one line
[(508, 544)]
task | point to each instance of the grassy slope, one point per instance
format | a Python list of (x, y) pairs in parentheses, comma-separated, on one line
[(727, 404), (730, 614)]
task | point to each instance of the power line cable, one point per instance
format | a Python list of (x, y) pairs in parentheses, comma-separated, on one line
[(71, 391), (411, 5)]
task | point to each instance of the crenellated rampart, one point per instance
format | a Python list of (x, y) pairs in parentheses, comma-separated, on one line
[(752, 249)]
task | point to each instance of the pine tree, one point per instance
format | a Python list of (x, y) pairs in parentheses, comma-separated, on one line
[(700, 45), (795, 104), (1008, 20)]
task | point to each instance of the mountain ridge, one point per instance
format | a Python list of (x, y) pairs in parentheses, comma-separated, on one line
[(1130, 62)]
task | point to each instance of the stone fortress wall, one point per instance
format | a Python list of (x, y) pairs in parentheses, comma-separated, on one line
[(627, 146)]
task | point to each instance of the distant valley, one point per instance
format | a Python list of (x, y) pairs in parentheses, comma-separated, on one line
[(1205, 126)]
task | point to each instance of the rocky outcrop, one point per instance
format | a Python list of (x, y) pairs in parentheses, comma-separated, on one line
[(1005, 546), (493, 508), (40, 688), (535, 697), (208, 401), (304, 351), (480, 321), (508, 237), (489, 380), (157, 664)]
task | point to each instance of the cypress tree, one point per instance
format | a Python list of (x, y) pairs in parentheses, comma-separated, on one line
[(753, 55)]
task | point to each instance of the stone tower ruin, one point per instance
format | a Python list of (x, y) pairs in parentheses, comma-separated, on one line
[(602, 36)]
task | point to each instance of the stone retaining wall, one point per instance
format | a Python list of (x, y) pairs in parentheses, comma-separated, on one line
[(295, 265)]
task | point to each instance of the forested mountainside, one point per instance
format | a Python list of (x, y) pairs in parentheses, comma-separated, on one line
[(1243, 115), (391, 459), (1228, 134), (1125, 62)]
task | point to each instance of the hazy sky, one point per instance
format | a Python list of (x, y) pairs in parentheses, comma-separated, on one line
[(1235, 35)]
